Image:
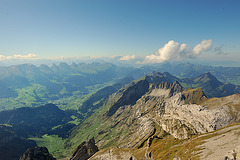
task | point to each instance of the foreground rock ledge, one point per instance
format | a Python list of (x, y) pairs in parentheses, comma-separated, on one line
[(85, 150), (37, 153)]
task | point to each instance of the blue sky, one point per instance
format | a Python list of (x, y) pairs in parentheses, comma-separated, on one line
[(53, 28)]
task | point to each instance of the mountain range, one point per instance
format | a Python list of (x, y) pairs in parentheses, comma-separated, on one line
[(132, 113), (27, 85)]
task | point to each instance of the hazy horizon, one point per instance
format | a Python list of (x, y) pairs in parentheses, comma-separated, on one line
[(137, 32)]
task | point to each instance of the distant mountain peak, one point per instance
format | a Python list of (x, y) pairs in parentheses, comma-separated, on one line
[(45, 68), (54, 67), (64, 66), (206, 77), (208, 74)]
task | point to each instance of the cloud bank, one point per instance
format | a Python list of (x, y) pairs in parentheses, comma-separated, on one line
[(28, 57), (128, 58), (175, 51)]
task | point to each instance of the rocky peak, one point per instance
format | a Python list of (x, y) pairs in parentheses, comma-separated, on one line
[(173, 88), (207, 81), (54, 67), (130, 96), (64, 66), (85, 150), (23, 69), (45, 68), (136, 91), (37, 153), (205, 78)]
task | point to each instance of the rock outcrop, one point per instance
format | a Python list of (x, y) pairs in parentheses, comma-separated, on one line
[(37, 153), (85, 150)]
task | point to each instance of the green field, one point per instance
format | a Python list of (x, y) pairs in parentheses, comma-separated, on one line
[(54, 144)]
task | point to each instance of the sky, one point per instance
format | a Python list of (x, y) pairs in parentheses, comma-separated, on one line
[(152, 31)]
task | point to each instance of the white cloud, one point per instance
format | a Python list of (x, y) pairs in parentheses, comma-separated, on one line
[(171, 50), (2, 57), (128, 58), (203, 46), (28, 57), (175, 51)]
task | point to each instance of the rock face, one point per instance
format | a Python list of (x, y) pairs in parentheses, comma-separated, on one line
[(178, 111), (37, 153), (85, 150)]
